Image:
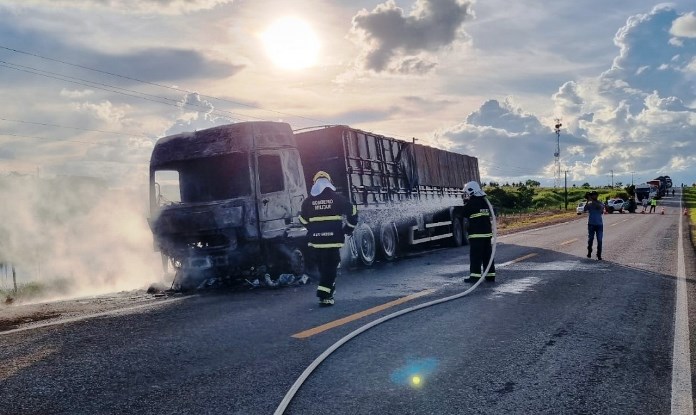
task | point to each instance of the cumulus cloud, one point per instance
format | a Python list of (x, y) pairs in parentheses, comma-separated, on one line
[(684, 26), (136, 6), (511, 142), (393, 40), (637, 116), (75, 94), (197, 114)]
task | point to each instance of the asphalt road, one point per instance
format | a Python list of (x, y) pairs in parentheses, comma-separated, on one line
[(557, 333)]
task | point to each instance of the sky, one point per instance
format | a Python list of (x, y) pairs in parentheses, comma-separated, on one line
[(90, 85)]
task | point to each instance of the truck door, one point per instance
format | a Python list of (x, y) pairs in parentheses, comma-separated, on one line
[(274, 205)]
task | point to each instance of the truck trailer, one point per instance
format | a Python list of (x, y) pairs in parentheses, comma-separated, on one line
[(645, 191), (225, 201)]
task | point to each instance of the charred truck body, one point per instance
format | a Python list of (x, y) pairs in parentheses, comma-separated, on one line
[(225, 201)]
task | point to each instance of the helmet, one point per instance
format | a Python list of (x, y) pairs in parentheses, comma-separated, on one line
[(321, 174), (473, 189)]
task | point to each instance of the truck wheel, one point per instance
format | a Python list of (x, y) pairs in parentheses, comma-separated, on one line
[(457, 238), (364, 241), (388, 241)]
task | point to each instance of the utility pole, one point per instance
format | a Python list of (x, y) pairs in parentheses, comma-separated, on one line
[(612, 178), (557, 154), (632, 178), (565, 179)]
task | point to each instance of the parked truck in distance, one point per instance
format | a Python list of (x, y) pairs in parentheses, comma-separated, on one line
[(645, 191), (225, 201)]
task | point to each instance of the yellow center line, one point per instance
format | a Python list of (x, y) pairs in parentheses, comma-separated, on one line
[(569, 241), (345, 320), (514, 261)]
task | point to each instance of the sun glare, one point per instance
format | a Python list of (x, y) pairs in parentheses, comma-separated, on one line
[(291, 44)]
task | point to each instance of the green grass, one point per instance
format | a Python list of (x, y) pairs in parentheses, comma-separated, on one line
[(25, 292), (690, 203)]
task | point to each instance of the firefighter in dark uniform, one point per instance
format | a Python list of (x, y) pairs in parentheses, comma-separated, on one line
[(323, 214), (480, 233)]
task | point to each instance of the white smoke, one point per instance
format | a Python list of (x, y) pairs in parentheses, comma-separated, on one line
[(76, 236)]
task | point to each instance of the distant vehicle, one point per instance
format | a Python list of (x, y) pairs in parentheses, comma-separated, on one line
[(581, 208), (645, 191), (662, 183), (630, 206), (615, 205)]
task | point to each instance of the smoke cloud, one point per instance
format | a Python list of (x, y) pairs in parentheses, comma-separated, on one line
[(76, 236)]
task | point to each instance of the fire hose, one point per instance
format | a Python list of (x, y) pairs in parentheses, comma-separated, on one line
[(280, 410)]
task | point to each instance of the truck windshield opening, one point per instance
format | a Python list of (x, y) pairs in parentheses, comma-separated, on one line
[(208, 179)]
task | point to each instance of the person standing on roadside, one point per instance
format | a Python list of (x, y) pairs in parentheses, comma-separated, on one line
[(653, 205), (645, 204), (595, 225)]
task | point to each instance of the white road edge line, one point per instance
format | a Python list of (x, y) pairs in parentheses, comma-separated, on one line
[(682, 399), (91, 316)]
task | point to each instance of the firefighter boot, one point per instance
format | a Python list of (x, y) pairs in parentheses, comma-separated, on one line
[(589, 252), (326, 302), (471, 280)]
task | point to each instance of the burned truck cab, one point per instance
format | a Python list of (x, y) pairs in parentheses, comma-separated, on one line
[(224, 202)]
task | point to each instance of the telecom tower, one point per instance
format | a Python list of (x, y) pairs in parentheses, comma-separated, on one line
[(557, 155)]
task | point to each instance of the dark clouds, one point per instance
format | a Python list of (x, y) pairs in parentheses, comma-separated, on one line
[(154, 64), (394, 41)]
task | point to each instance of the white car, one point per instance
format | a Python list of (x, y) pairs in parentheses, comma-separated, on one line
[(615, 205), (581, 207)]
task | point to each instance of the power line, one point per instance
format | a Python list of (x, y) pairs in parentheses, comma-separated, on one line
[(75, 128), (50, 139), (156, 84), (178, 103), (118, 90)]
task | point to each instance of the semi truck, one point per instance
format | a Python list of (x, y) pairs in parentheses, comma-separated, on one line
[(661, 183), (645, 191), (225, 201)]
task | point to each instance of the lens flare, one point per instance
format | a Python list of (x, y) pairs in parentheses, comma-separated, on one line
[(415, 372)]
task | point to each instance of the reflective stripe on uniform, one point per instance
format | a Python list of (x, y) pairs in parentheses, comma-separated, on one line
[(478, 215), (474, 275), (303, 220), (325, 218), (491, 274), (324, 289), (355, 210), (334, 245), (480, 235)]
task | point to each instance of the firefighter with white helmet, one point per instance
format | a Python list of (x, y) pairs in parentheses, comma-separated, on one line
[(478, 214), (323, 214)]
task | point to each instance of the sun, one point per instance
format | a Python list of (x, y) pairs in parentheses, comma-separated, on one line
[(291, 43)]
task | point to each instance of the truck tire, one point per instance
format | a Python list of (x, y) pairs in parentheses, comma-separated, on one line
[(297, 262), (457, 238), (364, 241), (388, 241)]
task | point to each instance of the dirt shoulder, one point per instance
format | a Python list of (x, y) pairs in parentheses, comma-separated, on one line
[(526, 221)]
